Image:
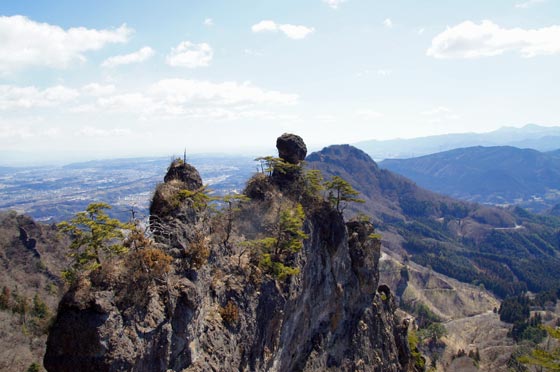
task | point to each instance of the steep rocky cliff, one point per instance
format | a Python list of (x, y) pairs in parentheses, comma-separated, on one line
[(31, 258), (218, 309)]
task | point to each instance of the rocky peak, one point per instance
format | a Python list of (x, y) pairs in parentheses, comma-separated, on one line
[(232, 315), (184, 172), (291, 148)]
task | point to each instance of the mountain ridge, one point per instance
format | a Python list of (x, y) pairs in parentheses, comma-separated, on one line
[(490, 175), (530, 136), (463, 240)]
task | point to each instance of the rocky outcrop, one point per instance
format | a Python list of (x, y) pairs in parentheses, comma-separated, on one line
[(29, 243), (170, 209), (231, 316), (184, 172), (291, 148)]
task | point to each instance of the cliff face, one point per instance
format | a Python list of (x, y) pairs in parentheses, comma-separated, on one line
[(31, 256), (226, 314)]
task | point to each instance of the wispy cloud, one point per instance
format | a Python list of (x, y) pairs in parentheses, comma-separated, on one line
[(96, 89), (14, 97), (208, 22), (253, 52), (471, 40), (388, 23), (334, 3), (170, 98), (126, 59), (368, 114), (440, 114), (26, 43), (292, 31), (384, 72), (190, 55), (90, 131), (529, 4), (225, 93)]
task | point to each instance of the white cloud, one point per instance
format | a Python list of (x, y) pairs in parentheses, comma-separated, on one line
[(292, 31), (96, 89), (209, 22), (266, 25), (26, 43), (528, 4), (190, 55), (334, 3), (421, 31), (126, 59), (14, 97), (471, 40), (13, 132), (163, 99), (296, 32), (440, 114), (27, 128), (128, 102), (388, 23), (226, 93), (437, 111), (384, 72), (368, 114), (325, 118), (98, 132), (253, 52), (194, 99)]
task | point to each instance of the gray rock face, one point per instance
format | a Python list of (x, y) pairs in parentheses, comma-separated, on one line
[(291, 148), (329, 317), (168, 209), (184, 172)]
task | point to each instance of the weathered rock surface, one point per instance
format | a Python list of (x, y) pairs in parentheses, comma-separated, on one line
[(169, 209), (184, 172), (291, 148), (328, 317)]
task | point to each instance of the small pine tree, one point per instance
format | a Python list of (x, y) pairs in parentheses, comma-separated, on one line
[(94, 235), (340, 192), (287, 237)]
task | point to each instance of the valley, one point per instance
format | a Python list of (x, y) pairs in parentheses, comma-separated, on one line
[(53, 194)]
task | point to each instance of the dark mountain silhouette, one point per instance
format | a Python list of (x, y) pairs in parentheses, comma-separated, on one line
[(507, 250), (530, 136), (495, 175)]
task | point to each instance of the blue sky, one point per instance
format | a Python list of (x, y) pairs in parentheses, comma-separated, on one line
[(91, 79)]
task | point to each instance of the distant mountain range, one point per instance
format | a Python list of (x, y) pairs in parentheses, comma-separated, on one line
[(530, 136), (507, 250), (495, 175)]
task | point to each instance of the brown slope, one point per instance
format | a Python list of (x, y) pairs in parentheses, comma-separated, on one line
[(31, 257)]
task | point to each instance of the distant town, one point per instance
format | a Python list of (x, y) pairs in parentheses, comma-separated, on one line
[(52, 194)]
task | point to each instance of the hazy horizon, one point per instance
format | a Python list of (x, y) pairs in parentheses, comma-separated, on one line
[(22, 159)]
